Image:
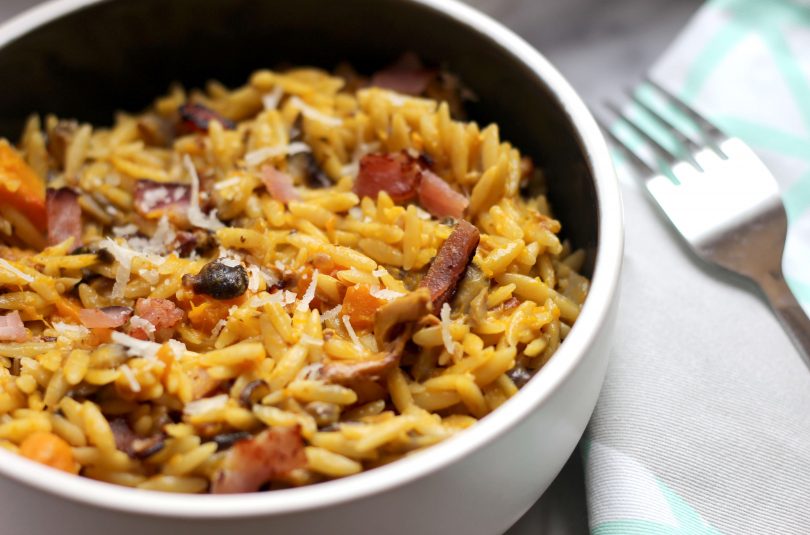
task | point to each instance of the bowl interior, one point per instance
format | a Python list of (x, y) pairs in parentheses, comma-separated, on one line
[(112, 56)]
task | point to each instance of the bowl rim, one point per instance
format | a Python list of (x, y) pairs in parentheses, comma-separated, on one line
[(572, 352)]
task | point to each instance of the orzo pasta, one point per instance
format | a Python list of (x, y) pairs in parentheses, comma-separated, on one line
[(293, 281)]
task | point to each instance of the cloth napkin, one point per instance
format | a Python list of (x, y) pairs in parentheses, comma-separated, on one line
[(703, 424)]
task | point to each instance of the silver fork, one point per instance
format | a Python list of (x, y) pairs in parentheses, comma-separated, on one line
[(726, 205)]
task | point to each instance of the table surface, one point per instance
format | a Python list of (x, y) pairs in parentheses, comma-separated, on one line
[(601, 47)]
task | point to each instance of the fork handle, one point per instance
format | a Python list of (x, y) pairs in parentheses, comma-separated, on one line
[(788, 311)]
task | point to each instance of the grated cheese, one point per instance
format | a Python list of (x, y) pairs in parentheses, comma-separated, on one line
[(309, 294), (218, 328), (178, 348), (14, 271), (308, 340), (204, 405), (143, 323), (134, 385), (135, 347), (254, 278), (152, 276), (447, 338), (126, 230), (379, 272), (271, 100), (311, 113), (227, 183), (258, 156), (385, 294), (70, 329), (196, 216), (124, 256), (349, 329), (332, 313)]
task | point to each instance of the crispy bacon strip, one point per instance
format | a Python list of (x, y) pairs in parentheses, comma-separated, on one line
[(64, 216), (397, 174), (450, 263), (198, 117), (104, 318), (270, 455), (437, 197), (12, 328), (161, 313)]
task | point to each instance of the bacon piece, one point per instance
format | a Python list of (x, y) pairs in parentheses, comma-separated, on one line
[(198, 117), (64, 216), (270, 455), (279, 184), (450, 263), (161, 313), (397, 174), (153, 199), (407, 76), (437, 197), (12, 328), (104, 318)]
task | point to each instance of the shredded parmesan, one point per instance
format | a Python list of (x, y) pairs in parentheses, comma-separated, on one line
[(308, 340), (254, 278), (143, 323), (126, 230), (230, 262), (196, 216), (421, 214), (309, 294), (385, 294), (379, 272), (152, 276), (227, 183), (218, 328), (124, 256), (263, 298), (135, 347), (204, 405), (134, 385), (332, 313), (271, 100), (349, 329), (14, 271), (178, 348), (316, 115), (258, 156), (71, 330), (447, 338)]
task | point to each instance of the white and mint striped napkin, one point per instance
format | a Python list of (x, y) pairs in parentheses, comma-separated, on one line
[(703, 425)]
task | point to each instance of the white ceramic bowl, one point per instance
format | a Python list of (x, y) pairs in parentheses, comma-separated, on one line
[(77, 56)]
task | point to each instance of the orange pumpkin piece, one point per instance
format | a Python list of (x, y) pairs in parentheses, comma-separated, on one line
[(360, 306), (20, 187), (49, 449)]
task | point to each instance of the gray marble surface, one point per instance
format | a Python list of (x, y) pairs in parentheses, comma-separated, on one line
[(601, 46)]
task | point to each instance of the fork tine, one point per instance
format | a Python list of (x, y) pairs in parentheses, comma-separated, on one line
[(639, 165), (711, 133), (672, 129), (661, 151)]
